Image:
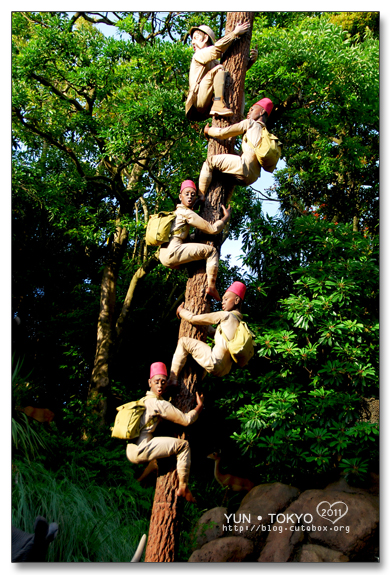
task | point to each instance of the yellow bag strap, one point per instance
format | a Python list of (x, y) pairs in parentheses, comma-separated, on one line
[(249, 142), (221, 330), (179, 231), (272, 137), (147, 422), (152, 418), (246, 139), (145, 425)]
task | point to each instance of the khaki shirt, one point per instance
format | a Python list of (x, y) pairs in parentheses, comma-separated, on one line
[(202, 62), (253, 130), (156, 406), (185, 217), (227, 321)]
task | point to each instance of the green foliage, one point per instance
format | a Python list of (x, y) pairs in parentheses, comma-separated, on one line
[(100, 141), (26, 439), (292, 434), (357, 24), (96, 523), (86, 486), (325, 89), (87, 110), (19, 383), (318, 354)]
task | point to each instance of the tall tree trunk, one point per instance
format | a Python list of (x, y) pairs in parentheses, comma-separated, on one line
[(99, 389), (100, 382), (166, 512)]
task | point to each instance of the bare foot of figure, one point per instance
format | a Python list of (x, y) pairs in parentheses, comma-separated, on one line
[(184, 491), (212, 292)]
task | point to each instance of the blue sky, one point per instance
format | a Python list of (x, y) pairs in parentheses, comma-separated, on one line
[(270, 207)]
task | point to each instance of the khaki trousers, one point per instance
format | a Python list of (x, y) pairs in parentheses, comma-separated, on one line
[(206, 89), (203, 354), (245, 168), (177, 253), (160, 447)]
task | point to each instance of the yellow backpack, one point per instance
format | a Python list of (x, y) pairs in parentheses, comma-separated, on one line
[(242, 345), (127, 422), (158, 228), (268, 150)]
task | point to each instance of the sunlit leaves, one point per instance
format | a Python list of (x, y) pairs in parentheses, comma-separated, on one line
[(320, 342), (325, 86)]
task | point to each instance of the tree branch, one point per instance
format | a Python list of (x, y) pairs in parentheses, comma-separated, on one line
[(58, 93), (33, 20), (263, 195), (153, 177), (33, 128), (103, 19), (148, 266)]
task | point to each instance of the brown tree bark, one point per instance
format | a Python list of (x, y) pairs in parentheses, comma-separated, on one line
[(107, 330), (100, 382), (166, 512)]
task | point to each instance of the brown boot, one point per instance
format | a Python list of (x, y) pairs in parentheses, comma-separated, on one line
[(219, 108)]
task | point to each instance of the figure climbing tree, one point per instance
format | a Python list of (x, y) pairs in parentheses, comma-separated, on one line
[(167, 507)]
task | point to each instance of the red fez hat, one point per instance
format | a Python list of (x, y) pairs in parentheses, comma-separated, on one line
[(266, 103), (188, 184), (158, 368), (238, 288)]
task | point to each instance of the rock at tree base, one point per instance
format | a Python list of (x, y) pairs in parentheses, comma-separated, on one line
[(342, 521), (223, 550), (319, 554), (210, 526), (257, 505)]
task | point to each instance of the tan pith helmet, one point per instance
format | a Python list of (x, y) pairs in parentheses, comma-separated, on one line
[(206, 29)]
